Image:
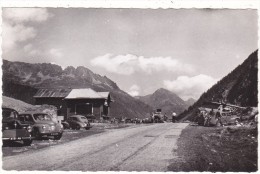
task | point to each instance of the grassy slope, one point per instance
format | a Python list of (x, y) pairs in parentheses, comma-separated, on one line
[(18, 105), (21, 106), (216, 149)]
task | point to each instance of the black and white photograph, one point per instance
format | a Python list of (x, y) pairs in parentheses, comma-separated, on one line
[(129, 89)]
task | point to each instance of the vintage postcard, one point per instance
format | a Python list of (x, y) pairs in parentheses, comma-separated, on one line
[(148, 86)]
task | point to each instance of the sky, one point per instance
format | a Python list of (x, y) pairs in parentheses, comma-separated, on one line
[(183, 50)]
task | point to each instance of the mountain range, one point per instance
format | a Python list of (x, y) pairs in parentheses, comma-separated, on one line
[(239, 87), (167, 101), (22, 80)]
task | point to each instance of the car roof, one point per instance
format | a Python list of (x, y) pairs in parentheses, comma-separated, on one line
[(32, 113), (6, 108), (77, 116)]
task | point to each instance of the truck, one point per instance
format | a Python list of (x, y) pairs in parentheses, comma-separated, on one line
[(157, 116)]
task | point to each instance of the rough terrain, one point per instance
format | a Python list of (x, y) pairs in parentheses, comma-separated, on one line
[(222, 149)]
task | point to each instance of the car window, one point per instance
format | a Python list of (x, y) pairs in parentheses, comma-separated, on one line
[(83, 118), (21, 117), (72, 119), (42, 117), (8, 114), (28, 118), (25, 117)]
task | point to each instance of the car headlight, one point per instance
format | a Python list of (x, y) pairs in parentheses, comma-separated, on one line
[(29, 129), (84, 124), (43, 127)]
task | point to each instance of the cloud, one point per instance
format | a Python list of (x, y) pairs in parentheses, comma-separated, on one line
[(51, 54), (56, 53), (31, 51), (129, 64), (119, 64), (16, 33), (134, 90), (16, 27), (18, 15), (187, 87), (62, 67)]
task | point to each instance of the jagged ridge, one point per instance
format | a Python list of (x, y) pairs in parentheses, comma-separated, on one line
[(21, 81)]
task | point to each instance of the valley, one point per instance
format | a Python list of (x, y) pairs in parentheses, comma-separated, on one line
[(130, 89)]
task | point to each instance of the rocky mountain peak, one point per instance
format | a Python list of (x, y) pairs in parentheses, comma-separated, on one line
[(51, 75), (166, 100), (69, 70), (22, 80), (190, 101), (162, 90)]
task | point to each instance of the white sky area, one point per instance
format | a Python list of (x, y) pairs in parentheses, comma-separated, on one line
[(183, 50)]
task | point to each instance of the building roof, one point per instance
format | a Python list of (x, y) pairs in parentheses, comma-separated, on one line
[(52, 93), (86, 93), (103, 94), (71, 93)]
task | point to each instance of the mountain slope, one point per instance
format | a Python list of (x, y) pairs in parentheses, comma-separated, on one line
[(50, 75), (239, 87), (21, 81), (18, 105), (190, 101), (166, 100)]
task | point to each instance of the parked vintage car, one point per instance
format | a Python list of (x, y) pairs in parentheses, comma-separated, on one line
[(218, 118), (65, 124), (42, 125), (227, 118), (78, 122), (13, 129)]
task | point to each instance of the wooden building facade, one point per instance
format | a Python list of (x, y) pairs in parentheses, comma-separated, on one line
[(94, 105)]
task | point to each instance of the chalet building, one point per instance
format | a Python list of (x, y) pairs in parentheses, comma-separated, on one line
[(94, 105)]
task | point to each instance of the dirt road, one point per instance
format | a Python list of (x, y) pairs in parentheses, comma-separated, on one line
[(142, 148)]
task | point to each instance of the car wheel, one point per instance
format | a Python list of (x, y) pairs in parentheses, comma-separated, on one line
[(218, 124), (58, 137), (5, 143), (77, 127), (88, 126), (237, 121), (65, 126), (27, 142), (36, 133)]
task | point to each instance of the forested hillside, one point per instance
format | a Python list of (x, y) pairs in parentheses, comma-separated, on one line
[(239, 87)]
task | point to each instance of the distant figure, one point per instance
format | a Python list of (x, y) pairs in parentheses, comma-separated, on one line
[(208, 118), (220, 108), (218, 116), (173, 117), (165, 118), (201, 118)]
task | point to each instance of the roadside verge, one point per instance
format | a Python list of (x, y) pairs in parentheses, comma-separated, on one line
[(223, 149)]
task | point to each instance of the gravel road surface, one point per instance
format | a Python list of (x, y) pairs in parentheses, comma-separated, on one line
[(142, 148)]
